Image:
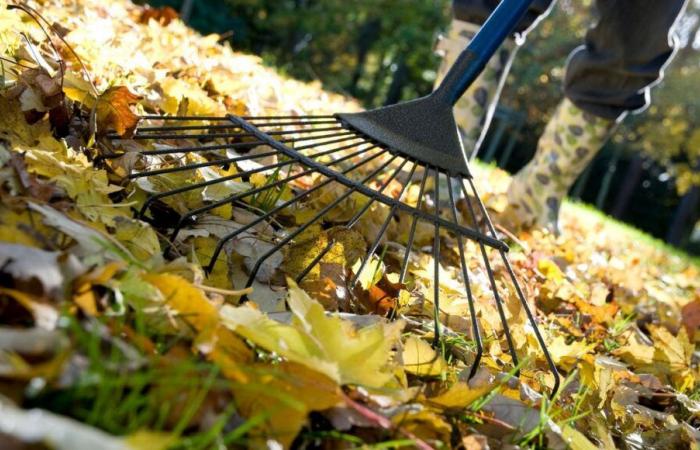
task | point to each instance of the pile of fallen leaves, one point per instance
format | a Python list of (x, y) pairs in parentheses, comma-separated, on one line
[(106, 343)]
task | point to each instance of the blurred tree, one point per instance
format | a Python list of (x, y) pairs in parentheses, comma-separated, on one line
[(380, 51)]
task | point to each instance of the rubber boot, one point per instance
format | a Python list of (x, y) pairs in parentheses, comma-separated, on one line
[(570, 141), (474, 111)]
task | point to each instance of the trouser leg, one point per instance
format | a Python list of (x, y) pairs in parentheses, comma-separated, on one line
[(623, 56)]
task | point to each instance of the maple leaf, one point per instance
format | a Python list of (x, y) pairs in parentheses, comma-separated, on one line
[(324, 343), (114, 109)]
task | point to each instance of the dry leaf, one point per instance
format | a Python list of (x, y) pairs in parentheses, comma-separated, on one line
[(114, 110)]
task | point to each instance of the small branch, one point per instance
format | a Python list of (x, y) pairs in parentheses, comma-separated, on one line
[(227, 292)]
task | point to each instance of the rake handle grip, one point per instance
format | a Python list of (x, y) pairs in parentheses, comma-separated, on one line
[(482, 47)]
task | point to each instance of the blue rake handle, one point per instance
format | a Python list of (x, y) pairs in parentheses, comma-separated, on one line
[(473, 59)]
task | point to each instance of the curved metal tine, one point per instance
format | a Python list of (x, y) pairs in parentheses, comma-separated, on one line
[(175, 136), (218, 162), (205, 126), (203, 184), (320, 214), (412, 233), (307, 117), (521, 297), (344, 137), (195, 166), (289, 123), (273, 211), (230, 125), (183, 118), (354, 220), (492, 280), (375, 244), (436, 262), (476, 332), (197, 149), (235, 197), (234, 145)]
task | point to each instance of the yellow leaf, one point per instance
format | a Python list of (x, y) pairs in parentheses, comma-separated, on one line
[(459, 396), (669, 357), (424, 424), (284, 395), (372, 272), (150, 440), (138, 237), (419, 358), (550, 270), (177, 93), (218, 343), (566, 355), (575, 439), (324, 343), (83, 295)]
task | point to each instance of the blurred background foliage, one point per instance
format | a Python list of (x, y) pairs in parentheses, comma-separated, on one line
[(381, 52)]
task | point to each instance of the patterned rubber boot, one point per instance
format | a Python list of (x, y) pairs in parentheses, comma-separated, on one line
[(474, 111), (569, 142)]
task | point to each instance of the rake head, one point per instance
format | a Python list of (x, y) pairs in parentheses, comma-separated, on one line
[(324, 161)]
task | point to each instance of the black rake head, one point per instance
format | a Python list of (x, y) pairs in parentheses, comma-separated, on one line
[(293, 160)]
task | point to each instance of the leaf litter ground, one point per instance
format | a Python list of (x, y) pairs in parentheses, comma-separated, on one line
[(106, 343)]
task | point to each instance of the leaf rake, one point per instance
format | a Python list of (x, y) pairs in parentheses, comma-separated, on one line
[(413, 145)]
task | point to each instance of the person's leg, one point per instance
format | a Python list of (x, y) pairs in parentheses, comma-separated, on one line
[(474, 111), (623, 56)]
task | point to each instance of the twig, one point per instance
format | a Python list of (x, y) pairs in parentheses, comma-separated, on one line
[(238, 293), (510, 235)]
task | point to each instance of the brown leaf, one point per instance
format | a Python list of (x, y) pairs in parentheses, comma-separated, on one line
[(163, 15), (691, 317), (113, 110), (33, 185)]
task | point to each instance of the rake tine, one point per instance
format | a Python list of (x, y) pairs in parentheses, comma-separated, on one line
[(199, 149), (476, 333), (436, 260), (196, 149), (344, 138), (195, 166), (188, 127), (184, 118), (354, 220), (233, 198), (221, 162), (289, 123), (202, 184), (412, 233), (382, 230), (301, 195), (320, 214), (145, 130), (235, 145), (521, 296), (492, 280), (170, 136), (311, 116)]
